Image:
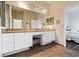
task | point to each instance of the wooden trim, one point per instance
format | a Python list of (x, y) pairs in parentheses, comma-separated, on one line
[(24, 30)]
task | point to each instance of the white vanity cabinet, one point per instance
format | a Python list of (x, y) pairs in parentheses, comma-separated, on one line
[(14, 42), (7, 42), (47, 37), (28, 39), (19, 41)]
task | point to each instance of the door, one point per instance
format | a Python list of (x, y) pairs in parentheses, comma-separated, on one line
[(19, 41), (7, 42)]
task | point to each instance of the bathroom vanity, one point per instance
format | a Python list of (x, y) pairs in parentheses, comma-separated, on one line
[(13, 42)]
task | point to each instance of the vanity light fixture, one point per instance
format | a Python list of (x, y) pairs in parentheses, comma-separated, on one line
[(44, 11)]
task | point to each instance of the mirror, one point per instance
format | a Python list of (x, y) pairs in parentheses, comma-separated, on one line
[(29, 19), (50, 21), (18, 18), (28, 16), (36, 24)]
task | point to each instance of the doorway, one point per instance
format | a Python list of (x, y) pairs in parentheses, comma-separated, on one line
[(71, 21)]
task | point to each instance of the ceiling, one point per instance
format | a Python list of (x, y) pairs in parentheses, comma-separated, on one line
[(72, 8)]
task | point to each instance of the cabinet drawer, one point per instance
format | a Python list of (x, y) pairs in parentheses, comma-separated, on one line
[(37, 33)]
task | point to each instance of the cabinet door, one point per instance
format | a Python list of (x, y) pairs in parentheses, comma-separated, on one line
[(48, 37), (7, 42), (19, 41), (28, 39), (51, 36)]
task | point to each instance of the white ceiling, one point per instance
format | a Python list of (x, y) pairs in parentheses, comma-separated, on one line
[(73, 8)]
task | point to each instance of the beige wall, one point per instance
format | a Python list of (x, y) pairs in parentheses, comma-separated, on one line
[(56, 9)]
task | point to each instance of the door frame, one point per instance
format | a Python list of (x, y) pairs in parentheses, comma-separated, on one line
[(65, 18)]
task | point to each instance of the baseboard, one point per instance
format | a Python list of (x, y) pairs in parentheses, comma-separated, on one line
[(16, 51), (59, 44)]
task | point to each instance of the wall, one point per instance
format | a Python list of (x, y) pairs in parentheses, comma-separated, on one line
[(73, 21), (56, 9)]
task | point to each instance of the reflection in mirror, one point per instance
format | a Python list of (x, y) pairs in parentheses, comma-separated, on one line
[(17, 23), (17, 17), (49, 23), (0, 12), (7, 16), (23, 18), (3, 14), (32, 19), (28, 16)]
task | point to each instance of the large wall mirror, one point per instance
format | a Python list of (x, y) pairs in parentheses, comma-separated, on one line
[(18, 18)]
